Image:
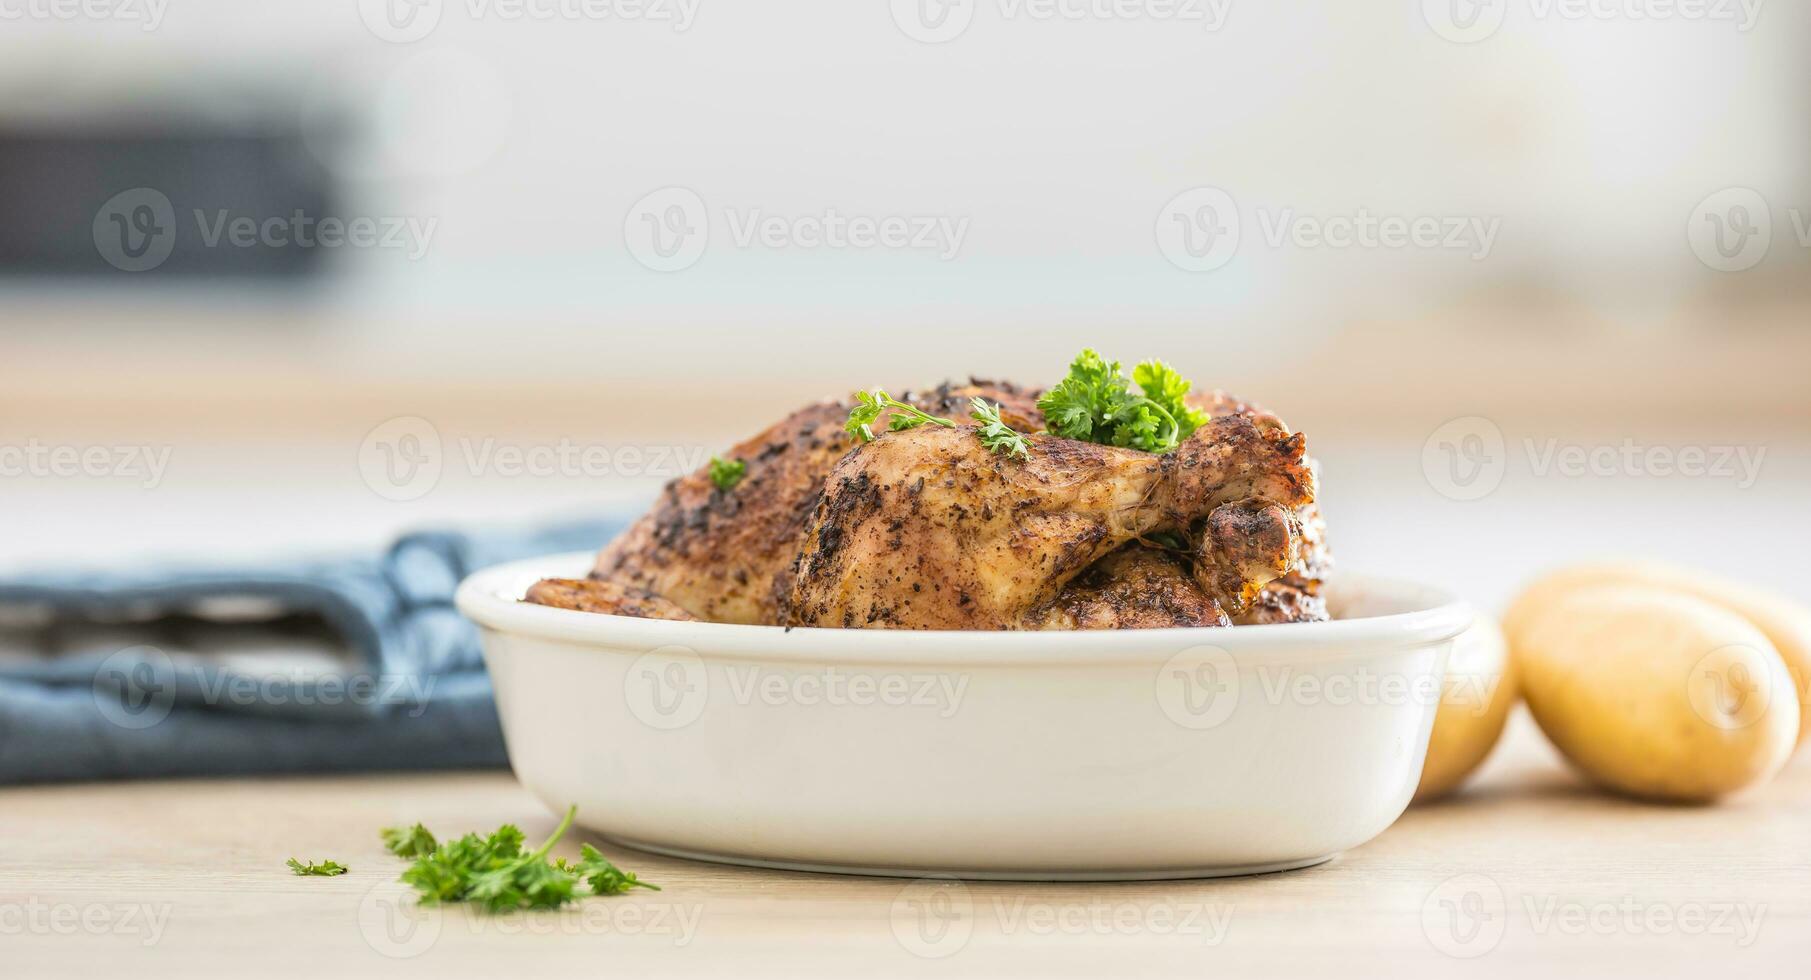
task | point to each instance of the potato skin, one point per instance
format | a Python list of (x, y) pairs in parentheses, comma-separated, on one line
[(1655, 693), (1787, 624), (1480, 689)]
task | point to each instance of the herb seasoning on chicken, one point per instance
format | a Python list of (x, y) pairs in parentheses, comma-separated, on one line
[(934, 527)]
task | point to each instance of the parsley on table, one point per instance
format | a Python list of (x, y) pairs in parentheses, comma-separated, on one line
[(726, 473), (1095, 403), (494, 873), (412, 842), (603, 877), (325, 869)]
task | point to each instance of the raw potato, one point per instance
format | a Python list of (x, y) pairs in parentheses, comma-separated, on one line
[(1787, 624), (1656, 693), (1474, 704)]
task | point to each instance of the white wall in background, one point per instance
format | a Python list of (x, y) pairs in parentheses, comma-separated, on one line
[(1055, 143)]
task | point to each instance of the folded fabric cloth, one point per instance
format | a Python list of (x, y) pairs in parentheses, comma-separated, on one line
[(357, 663)]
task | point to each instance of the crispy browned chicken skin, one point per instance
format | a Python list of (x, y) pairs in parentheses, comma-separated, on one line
[(1136, 586), (735, 556), (592, 595), (727, 557), (928, 529)]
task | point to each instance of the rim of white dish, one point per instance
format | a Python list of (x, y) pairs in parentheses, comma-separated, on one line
[(492, 597)]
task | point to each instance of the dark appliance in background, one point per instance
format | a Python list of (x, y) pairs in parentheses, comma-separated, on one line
[(144, 195)]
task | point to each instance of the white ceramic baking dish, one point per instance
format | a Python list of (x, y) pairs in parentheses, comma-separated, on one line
[(1072, 755)]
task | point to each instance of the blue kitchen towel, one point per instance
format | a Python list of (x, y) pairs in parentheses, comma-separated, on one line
[(357, 663)]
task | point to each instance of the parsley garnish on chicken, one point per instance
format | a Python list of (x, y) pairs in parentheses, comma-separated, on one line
[(1095, 404), (726, 473)]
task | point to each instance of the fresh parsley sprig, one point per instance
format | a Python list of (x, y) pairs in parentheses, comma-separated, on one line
[(411, 842), (494, 873), (726, 473), (325, 869), (1095, 403), (871, 405), (995, 434), (604, 877)]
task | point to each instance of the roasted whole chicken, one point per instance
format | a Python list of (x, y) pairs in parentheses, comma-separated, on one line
[(928, 529)]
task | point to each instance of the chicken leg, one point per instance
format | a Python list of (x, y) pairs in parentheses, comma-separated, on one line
[(927, 529)]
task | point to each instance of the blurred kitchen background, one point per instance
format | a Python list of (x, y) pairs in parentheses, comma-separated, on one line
[(534, 326)]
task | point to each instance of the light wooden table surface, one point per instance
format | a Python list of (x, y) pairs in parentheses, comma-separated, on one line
[(1528, 870)]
